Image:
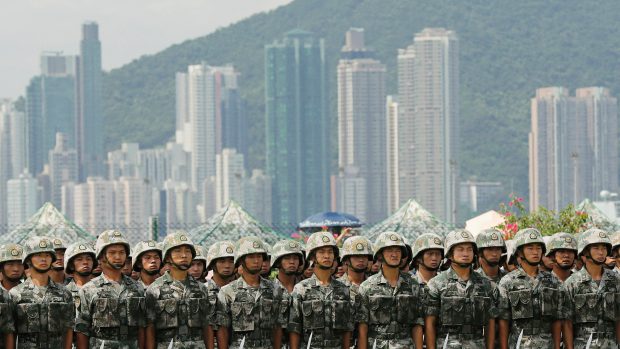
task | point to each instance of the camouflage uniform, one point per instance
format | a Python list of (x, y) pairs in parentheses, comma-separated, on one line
[(615, 243), (531, 304), (111, 313), (220, 249), (321, 311), (463, 308), (490, 238), (425, 242), (250, 311), (595, 306), (42, 314), (177, 309), (9, 253), (138, 250), (73, 251), (561, 241), (390, 312)]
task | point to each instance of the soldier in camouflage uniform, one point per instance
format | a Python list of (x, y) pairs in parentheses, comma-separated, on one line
[(58, 267), (79, 262), (594, 292), (389, 300), (615, 250), (320, 315), (248, 305), (287, 256), (198, 270), (531, 300), (547, 262), (177, 308), (266, 267), (427, 255), (43, 310), (220, 259), (147, 261), (11, 265), (490, 245), (111, 305), (460, 303), (562, 249)]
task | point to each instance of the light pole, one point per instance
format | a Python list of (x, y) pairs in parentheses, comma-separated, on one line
[(574, 156)]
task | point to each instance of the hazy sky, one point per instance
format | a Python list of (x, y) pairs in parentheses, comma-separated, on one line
[(127, 29)]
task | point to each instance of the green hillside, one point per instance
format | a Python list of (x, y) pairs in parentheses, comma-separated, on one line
[(508, 49)]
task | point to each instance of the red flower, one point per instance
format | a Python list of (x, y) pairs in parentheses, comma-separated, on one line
[(510, 204), (520, 199)]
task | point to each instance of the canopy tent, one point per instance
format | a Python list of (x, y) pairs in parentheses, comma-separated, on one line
[(48, 221), (232, 223), (597, 217), (410, 220), (487, 220), (330, 219)]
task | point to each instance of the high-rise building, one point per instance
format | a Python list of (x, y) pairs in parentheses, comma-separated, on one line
[(428, 95), (21, 199), (133, 205), (89, 109), (12, 149), (391, 114), (351, 193), (361, 129), (63, 167), (257, 196), (50, 107), (94, 204), (180, 204), (229, 178), (297, 124), (573, 146)]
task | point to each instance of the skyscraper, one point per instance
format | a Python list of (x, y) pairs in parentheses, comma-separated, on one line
[(229, 178), (428, 89), (12, 149), (89, 109), (21, 199), (50, 107), (297, 121), (391, 114), (63, 167), (361, 130)]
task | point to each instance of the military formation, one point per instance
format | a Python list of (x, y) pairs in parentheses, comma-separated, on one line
[(459, 291)]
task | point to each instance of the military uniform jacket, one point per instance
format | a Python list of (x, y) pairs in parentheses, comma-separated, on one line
[(462, 308), (251, 312), (531, 303), (323, 311), (42, 314), (111, 313), (7, 323), (390, 312), (178, 310), (595, 306), (496, 279)]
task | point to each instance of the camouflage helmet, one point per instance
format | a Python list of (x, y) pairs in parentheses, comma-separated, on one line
[(176, 240), (321, 239), (593, 236), (38, 244), (529, 236), (490, 238), (59, 244), (109, 238), (561, 241), (408, 249), (220, 249), (142, 247), (284, 248), (76, 249), (389, 239), (248, 245), (201, 253), (427, 241), (615, 240), (11, 252), (356, 246), (456, 237)]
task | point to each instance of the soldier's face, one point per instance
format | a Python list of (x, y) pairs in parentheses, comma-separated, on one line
[(83, 264), (533, 253), (564, 258), (359, 264), (266, 266), (127, 267), (151, 262), (60, 259), (598, 252), (116, 256), (13, 270), (41, 262), (225, 266), (392, 256), (197, 269), (253, 263), (289, 264), (324, 257), (492, 255), (181, 257), (431, 259), (463, 254)]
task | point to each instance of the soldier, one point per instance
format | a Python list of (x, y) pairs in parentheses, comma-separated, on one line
[(147, 261), (58, 267), (460, 303), (177, 304), (198, 269), (11, 265), (593, 292), (248, 305), (126, 269), (562, 249), (265, 271), (111, 305), (405, 264), (320, 314), (547, 262), (79, 262), (510, 262), (531, 299), (287, 256), (490, 245), (615, 250), (43, 310), (427, 255), (220, 259), (389, 301)]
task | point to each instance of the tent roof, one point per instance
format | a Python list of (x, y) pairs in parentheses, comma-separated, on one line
[(487, 220), (232, 223), (410, 220), (47, 221)]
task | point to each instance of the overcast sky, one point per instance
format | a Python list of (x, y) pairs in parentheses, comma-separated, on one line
[(127, 29)]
